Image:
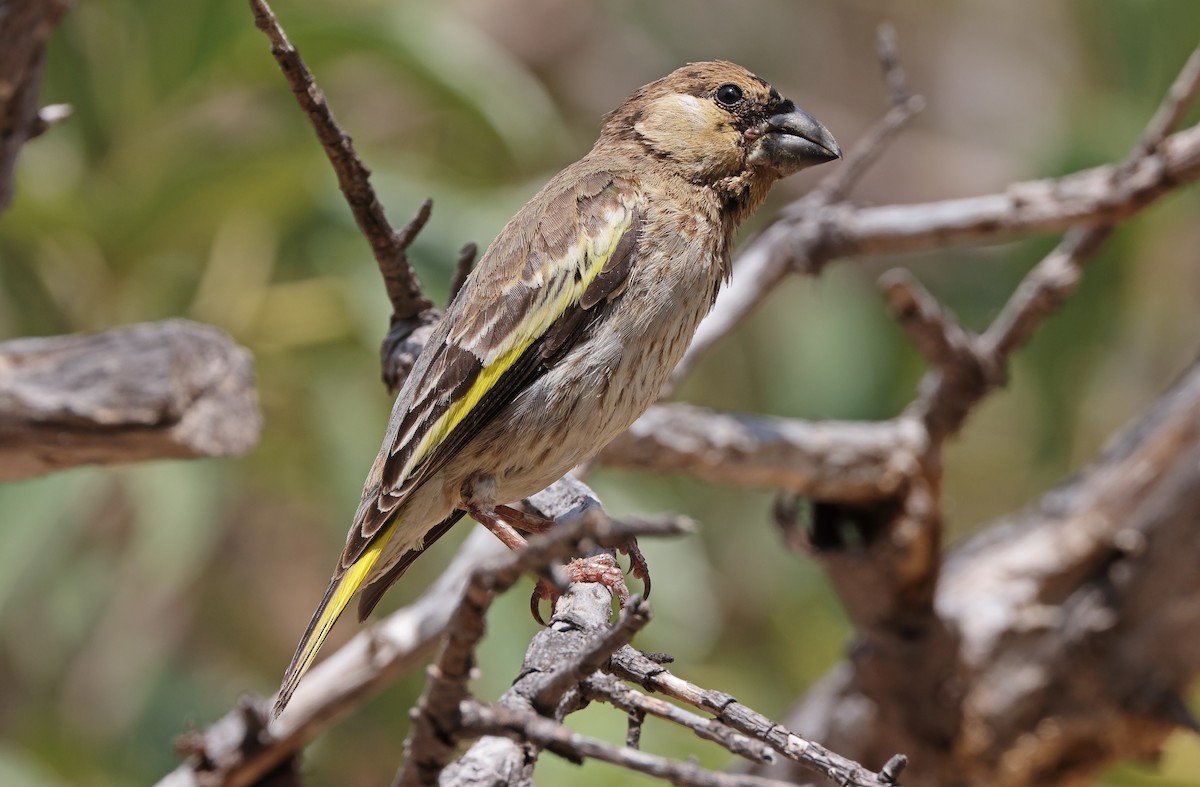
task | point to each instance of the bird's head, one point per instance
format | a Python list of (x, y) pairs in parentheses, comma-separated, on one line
[(718, 124)]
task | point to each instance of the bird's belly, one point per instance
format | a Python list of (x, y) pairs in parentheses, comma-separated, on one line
[(579, 405)]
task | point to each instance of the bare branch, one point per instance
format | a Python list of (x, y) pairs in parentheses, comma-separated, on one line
[(887, 50), (48, 116), (904, 104), (633, 618), (849, 461), (481, 719), (462, 269), (946, 400), (1043, 291), (1180, 97), (810, 236), (939, 667), (173, 389), (934, 329), (631, 665), (1104, 194), (24, 27), (638, 705), (1078, 615), (390, 248), (436, 720)]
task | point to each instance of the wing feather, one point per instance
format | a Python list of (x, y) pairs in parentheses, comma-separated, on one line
[(571, 248)]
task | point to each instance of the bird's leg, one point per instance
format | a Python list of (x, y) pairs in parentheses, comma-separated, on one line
[(489, 517), (505, 521), (524, 521), (532, 523), (597, 571), (602, 568)]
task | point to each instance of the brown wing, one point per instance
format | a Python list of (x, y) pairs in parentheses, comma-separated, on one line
[(568, 250)]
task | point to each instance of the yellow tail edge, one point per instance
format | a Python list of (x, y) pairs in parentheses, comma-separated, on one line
[(337, 596)]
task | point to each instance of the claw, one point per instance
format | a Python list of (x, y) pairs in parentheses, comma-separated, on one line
[(638, 565), (601, 568), (540, 591)]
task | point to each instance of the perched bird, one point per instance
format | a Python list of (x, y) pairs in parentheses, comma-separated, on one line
[(572, 321)]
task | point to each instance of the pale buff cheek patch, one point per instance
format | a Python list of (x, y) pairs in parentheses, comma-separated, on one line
[(677, 116), (686, 127)]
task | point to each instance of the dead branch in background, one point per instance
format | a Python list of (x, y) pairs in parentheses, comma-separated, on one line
[(413, 315), (172, 389), (936, 657)]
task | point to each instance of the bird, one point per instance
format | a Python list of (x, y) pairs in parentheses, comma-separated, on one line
[(569, 326)]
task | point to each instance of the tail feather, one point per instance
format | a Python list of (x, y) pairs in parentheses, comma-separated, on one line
[(372, 593), (341, 589)]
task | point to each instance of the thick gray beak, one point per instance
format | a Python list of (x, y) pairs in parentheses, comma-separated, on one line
[(793, 141)]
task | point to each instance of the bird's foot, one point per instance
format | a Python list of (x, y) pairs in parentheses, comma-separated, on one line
[(601, 568), (637, 564)]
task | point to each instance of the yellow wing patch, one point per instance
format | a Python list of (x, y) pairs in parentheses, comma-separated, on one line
[(590, 255)]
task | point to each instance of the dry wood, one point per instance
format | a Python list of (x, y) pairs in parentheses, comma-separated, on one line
[(172, 389)]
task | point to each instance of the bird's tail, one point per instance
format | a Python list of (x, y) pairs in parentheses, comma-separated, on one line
[(342, 588)]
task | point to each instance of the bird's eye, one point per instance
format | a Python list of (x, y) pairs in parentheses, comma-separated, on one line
[(729, 95)]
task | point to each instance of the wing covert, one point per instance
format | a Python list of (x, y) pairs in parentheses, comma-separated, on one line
[(569, 249)]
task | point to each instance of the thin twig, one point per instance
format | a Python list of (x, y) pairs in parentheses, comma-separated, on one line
[(482, 719), (1043, 291), (48, 116), (637, 705), (933, 328), (462, 269), (631, 665), (24, 29), (1179, 99), (354, 179), (904, 104)]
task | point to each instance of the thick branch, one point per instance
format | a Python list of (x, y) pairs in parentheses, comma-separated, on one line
[(174, 389), (1078, 617), (846, 461)]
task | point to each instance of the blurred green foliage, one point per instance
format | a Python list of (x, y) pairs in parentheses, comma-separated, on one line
[(136, 601)]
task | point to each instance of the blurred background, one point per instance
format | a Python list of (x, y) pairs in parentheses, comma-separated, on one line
[(137, 601)]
